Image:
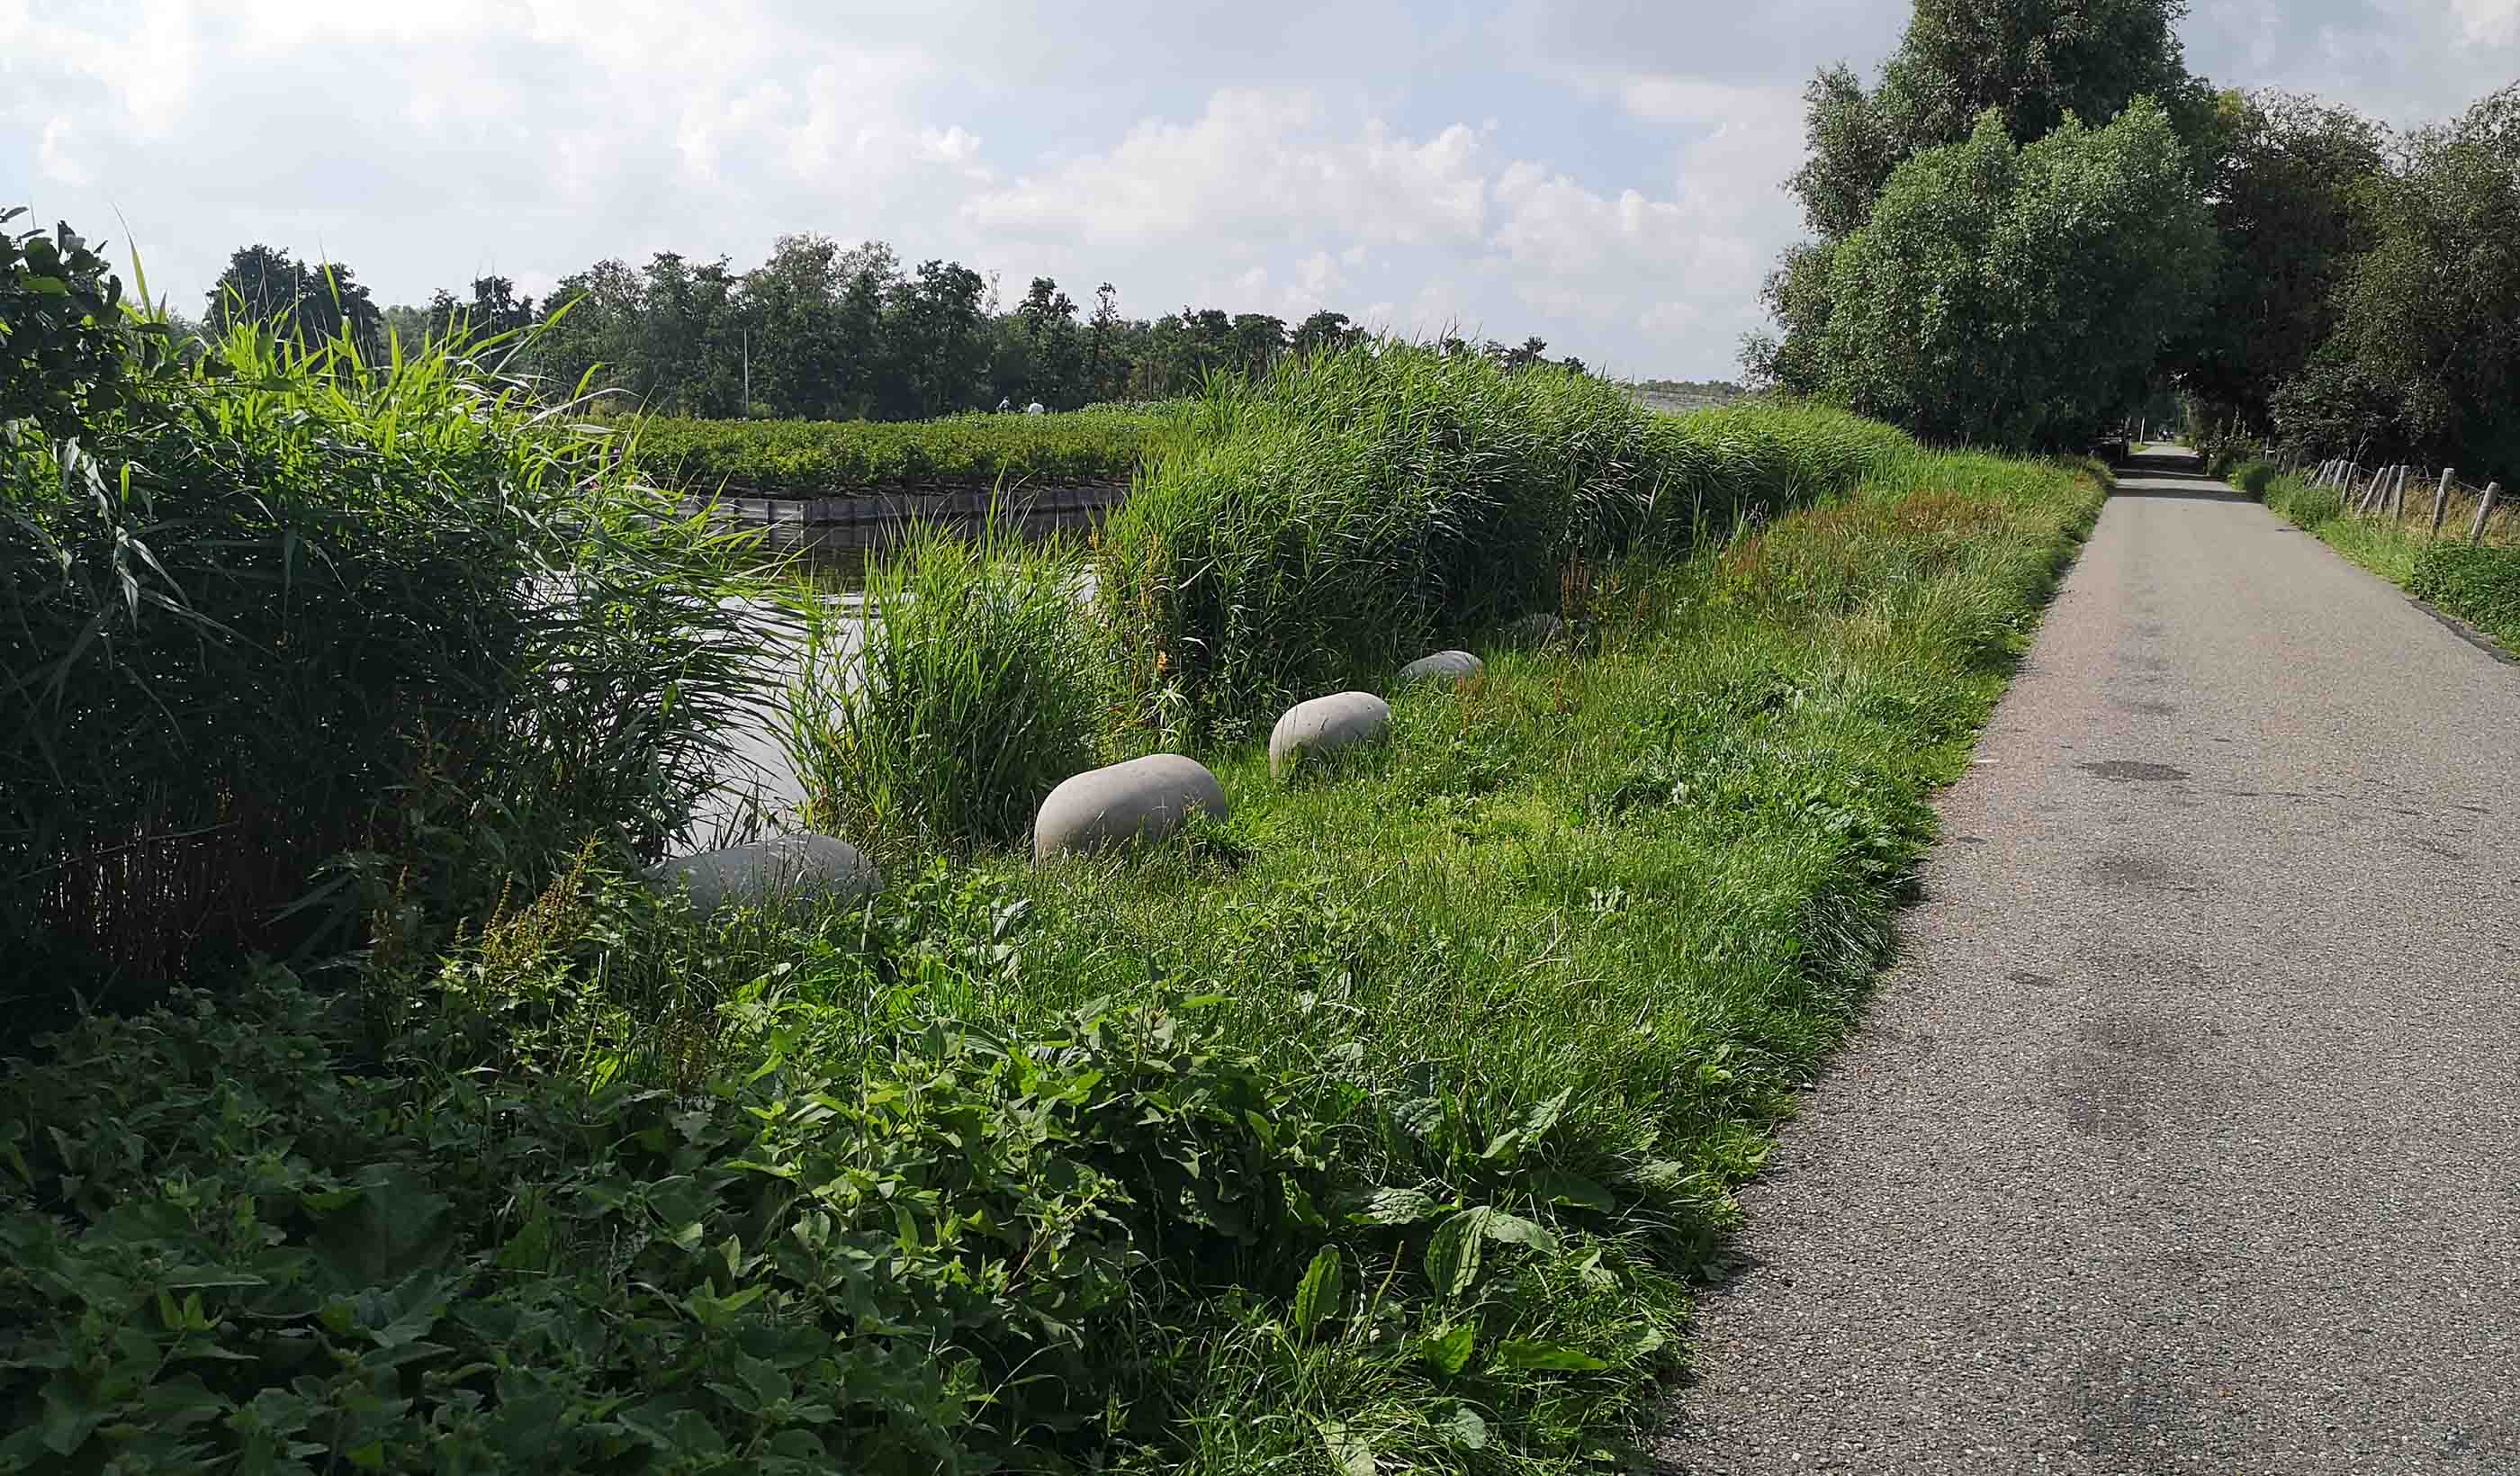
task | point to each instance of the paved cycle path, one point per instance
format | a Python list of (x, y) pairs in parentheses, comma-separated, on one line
[(2186, 1137)]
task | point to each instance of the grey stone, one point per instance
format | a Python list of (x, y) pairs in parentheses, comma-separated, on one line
[(1142, 800), (817, 866), (1325, 723), (1535, 630), (1453, 666)]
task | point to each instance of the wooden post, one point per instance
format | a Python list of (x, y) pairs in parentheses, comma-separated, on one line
[(2398, 496), (2484, 507), (2371, 494), (2441, 500)]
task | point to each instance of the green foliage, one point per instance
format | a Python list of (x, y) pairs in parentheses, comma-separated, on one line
[(2480, 585), (288, 606), (2431, 313), (1361, 505), (951, 702), (223, 1249), (2035, 62), (957, 453), (68, 348), (2287, 191), (1391, 1143), (312, 302), (2019, 295)]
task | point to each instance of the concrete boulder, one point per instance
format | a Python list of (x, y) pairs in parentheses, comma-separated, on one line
[(1325, 724), (788, 866), (1145, 799), (1453, 667)]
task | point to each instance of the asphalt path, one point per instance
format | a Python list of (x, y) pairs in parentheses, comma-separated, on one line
[(2186, 1136)]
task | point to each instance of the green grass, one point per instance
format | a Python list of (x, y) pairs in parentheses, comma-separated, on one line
[(1391, 1118), (2480, 585), (1363, 505), (956, 695), (964, 452)]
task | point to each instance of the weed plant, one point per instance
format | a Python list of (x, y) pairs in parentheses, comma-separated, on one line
[(949, 703)]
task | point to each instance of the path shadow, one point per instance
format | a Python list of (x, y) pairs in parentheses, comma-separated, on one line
[(2173, 476)]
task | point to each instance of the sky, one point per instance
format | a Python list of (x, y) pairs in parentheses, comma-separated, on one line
[(1605, 174)]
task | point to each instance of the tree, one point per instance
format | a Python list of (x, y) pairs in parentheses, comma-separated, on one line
[(1324, 329), (792, 326), (2288, 192), (2033, 61), (935, 331), (1054, 357), (1533, 351), (1257, 340), (2432, 310), (313, 302), (2018, 295)]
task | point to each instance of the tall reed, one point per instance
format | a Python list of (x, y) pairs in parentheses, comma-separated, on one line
[(286, 610), (956, 697), (1360, 504)]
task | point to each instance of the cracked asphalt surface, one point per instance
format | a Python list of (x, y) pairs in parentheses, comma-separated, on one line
[(2186, 1136)]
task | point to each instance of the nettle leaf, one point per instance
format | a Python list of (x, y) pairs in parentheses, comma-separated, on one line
[(1453, 1255), (1449, 1350), (1317, 1296), (1530, 1354)]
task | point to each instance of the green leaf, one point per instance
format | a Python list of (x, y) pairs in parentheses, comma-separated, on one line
[(1449, 1350), (1466, 1430), (1514, 1230), (1453, 1255), (1398, 1207), (1316, 1297), (1542, 1117), (1349, 1451), (1524, 1353)]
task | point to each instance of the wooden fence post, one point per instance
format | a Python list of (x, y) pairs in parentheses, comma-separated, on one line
[(2484, 507), (2441, 500), (2370, 497), (2398, 496)]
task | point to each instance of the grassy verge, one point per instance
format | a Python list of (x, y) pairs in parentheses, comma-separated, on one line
[(812, 458), (2479, 584), (1380, 1128)]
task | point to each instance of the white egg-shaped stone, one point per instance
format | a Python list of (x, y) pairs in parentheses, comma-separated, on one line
[(788, 865), (1325, 724), (1450, 666), (1145, 799)]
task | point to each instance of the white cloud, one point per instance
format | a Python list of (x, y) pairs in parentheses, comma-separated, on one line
[(2489, 23), (1257, 167), (1604, 175)]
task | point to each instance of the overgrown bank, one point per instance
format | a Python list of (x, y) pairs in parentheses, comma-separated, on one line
[(2478, 583), (1379, 1128)]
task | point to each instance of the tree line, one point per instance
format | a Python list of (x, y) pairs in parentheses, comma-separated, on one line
[(818, 330), (2036, 219)]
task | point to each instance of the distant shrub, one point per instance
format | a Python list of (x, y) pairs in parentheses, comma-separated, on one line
[(2254, 475), (801, 458), (959, 695), (1359, 506)]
